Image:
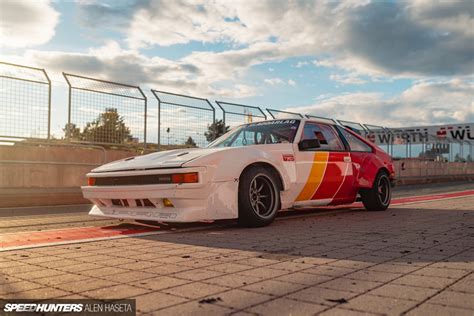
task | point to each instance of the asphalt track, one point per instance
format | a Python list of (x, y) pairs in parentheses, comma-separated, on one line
[(44, 230)]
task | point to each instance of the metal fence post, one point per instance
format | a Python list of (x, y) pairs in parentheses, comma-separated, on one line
[(68, 127), (145, 117), (49, 103), (159, 124)]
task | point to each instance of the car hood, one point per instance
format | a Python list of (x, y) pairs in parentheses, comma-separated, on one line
[(163, 159)]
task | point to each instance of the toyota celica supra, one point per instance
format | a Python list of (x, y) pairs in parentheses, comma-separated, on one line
[(250, 173)]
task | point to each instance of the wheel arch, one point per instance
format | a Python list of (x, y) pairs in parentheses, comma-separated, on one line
[(268, 166), (383, 169)]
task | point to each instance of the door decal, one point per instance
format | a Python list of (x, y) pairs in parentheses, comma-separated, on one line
[(315, 177), (333, 177)]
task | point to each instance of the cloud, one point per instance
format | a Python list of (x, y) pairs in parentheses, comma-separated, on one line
[(274, 81), (291, 82), (371, 38), (178, 22), (425, 103), (279, 81), (350, 78), (113, 63), (301, 64), (25, 23), (94, 14), (404, 39)]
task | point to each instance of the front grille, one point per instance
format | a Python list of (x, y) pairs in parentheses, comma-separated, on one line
[(133, 180), (138, 202)]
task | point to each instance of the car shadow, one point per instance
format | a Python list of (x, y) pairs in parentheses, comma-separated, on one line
[(397, 235)]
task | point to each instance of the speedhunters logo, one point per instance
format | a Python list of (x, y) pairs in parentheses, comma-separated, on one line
[(43, 308), (61, 307)]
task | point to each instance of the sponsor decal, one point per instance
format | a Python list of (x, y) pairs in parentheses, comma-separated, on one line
[(274, 122), (441, 133), (371, 137), (288, 157), (423, 134), (318, 168)]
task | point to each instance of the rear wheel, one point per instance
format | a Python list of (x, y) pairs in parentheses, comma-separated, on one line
[(379, 196), (259, 197)]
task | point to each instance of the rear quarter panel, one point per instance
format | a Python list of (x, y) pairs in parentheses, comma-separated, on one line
[(368, 164)]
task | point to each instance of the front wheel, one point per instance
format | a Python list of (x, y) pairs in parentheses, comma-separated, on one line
[(259, 197), (379, 196)]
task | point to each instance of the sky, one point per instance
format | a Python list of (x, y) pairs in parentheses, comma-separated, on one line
[(379, 62)]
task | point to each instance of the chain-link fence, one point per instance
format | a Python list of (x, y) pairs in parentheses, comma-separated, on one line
[(25, 102), (356, 127), (234, 114), (279, 114), (321, 119), (182, 119), (373, 130), (105, 112)]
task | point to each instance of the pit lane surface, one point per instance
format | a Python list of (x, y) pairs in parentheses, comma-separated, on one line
[(415, 258), (30, 231)]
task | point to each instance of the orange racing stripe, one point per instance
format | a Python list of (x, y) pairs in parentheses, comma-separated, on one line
[(315, 177)]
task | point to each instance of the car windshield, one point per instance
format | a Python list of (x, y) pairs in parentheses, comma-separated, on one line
[(267, 132)]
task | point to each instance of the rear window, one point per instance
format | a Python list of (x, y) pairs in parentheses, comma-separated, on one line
[(354, 143), (326, 135)]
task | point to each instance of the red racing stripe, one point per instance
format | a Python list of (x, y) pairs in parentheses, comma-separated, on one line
[(333, 177)]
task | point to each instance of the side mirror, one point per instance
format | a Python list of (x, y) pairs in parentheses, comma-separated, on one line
[(307, 144)]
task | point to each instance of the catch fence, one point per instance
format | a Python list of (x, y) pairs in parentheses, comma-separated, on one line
[(105, 112), (234, 114), (25, 102), (279, 114), (183, 120), (321, 119)]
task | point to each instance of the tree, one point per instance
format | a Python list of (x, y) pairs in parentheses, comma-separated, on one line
[(71, 131), (190, 142), (109, 127), (215, 130)]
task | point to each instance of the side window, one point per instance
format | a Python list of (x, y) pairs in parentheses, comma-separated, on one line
[(354, 143), (326, 135)]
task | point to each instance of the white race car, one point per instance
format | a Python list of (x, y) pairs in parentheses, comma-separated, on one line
[(249, 173)]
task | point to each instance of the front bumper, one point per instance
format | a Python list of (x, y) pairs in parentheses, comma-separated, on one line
[(203, 201)]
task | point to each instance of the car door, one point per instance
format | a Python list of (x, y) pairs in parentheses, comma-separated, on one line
[(325, 173)]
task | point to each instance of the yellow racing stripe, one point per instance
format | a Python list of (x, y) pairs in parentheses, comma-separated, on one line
[(315, 177)]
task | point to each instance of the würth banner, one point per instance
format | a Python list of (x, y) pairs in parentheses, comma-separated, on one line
[(424, 134)]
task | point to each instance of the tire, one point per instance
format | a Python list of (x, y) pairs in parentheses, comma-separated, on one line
[(259, 197), (378, 197)]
